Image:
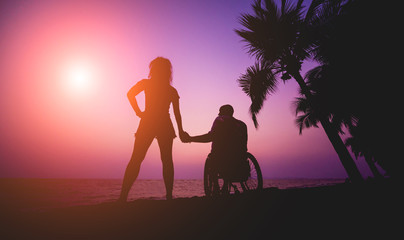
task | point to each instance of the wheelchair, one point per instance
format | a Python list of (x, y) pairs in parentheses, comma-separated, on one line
[(217, 183)]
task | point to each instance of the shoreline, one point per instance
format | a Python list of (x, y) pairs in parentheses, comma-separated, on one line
[(43, 194), (368, 209)]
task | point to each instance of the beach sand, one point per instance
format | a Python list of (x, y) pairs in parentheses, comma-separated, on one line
[(343, 211)]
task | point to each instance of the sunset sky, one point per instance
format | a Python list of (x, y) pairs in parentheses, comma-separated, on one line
[(66, 66)]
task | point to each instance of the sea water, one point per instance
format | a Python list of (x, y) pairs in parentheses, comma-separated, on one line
[(37, 194)]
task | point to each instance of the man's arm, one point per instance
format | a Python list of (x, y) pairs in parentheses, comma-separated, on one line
[(201, 138), (204, 138)]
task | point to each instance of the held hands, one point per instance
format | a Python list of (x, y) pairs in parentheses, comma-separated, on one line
[(184, 136)]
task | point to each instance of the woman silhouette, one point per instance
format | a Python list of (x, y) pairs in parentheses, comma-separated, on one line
[(155, 122)]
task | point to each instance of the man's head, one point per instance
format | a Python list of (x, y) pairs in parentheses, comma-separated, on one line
[(226, 110)]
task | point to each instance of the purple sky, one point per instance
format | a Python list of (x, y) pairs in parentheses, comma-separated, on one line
[(51, 128)]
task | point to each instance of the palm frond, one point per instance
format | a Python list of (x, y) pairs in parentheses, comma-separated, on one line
[(272, 9), (258, 81), (310, 116), (300, 4), (301, 105), (314, 74), (271, 31), (323, 22), (311, 11), (306, 120)]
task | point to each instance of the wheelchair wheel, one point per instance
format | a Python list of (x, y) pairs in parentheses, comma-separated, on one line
[(254, 181), (214, 184), (211, 182)]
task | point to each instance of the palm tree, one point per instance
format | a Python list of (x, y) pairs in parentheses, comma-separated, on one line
[(362, 145), (325, 102), (281, 39), (361, 140)]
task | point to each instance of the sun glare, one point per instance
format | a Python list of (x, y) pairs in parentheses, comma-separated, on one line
[(79, 78)]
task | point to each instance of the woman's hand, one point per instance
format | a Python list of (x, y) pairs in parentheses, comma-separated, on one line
[(184, 136)]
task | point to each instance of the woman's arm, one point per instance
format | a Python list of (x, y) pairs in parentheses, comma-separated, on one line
[(178, 118), (132, 93)]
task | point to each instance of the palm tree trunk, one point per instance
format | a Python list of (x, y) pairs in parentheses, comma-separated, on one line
[(336, 141), (373, 168), (343, 153)]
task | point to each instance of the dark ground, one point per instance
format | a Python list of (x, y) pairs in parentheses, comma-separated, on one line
[(343, 211)]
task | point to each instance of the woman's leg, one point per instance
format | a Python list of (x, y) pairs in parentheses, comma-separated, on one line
[(140, 148), (166, 153)]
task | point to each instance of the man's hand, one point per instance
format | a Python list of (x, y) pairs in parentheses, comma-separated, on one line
[(184, 136)]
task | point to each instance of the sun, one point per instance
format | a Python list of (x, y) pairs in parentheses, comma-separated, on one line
[(79, 78)]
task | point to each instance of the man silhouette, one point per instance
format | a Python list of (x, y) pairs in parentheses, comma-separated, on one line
[(229, 142)]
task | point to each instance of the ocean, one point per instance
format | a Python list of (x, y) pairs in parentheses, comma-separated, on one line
[(38, 194)]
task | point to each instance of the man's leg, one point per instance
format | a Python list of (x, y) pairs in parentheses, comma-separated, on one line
[(214, 174)]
